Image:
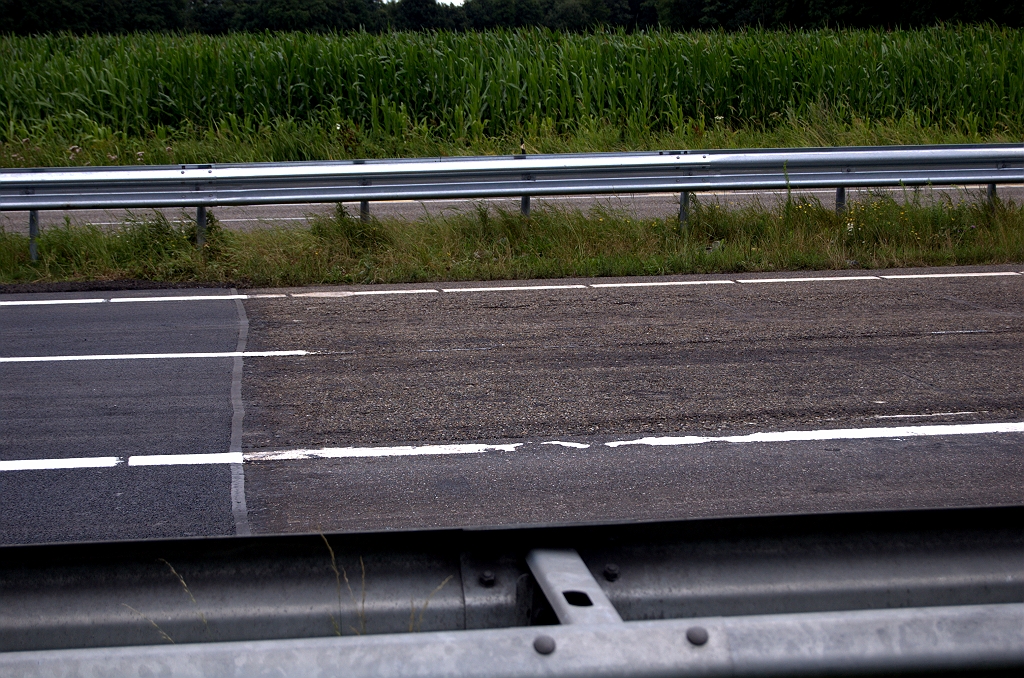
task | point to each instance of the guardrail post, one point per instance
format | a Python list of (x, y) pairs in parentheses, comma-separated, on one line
[(524, 205), (684, 211), (364, 210), (33, 233), (991, 192), (840, 200), (201, 226)]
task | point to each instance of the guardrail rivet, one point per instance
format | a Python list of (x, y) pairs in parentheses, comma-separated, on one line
[(487, 579), (698, 635), (611, 571), (544, 644)]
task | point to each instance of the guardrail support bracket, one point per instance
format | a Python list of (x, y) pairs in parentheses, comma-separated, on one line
[(684, 211), (364, 210), (840, 200), (200, 226), (33, 233)]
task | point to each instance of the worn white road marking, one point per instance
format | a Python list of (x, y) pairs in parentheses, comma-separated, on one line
[(185, 459), (514, 288), (963, 332), (948, 275), (562, 443), (362, 293), (829, 278), (666, 284), (832, 434), (47, 464), (400, 451), (149, 356), (918, 416)]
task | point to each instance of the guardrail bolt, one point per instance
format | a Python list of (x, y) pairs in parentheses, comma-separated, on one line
[(487, 579), (33, 233), (840, 200), (544, 644), (200, 226), (611, 571), (698, 635)]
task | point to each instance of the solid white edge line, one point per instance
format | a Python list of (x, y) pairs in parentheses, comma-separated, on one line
[(151, 356), (948, 275), (49, 302), (50, 464), (198, 297), (185, 459), (665, 284), (514, 289), (774, 280), (832, 434)]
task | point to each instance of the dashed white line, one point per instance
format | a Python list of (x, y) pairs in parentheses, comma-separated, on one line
[(361, 293), (831, 434), (829, 278), (150, 356), (400, 451), (562, 443), (948, 275), (920, 416), (48, 302), (185, 459), (197, 297), (514, 288), (667, 284), (50, 464)]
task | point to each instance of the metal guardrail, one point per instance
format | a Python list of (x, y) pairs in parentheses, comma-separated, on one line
[(682, 171), (853, 594)]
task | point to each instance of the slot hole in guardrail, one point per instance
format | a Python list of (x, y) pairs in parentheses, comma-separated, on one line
[(577, 598)]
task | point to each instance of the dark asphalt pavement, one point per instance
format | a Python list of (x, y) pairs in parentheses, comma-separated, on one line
[(581, 366), (101, 408)]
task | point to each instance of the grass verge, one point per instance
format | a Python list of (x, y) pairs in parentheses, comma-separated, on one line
[(796, 234)]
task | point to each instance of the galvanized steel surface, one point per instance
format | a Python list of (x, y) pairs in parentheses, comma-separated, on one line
[(477, 177)]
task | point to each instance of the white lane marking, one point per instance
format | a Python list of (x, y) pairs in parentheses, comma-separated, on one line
[(47, 464), (963, 332), (665, 284), (830, 278), (48, 302), (948, 275), (267, 296), (562, 443), (832, 434), (919, 416), (149, 356), (400, 451), (185, 459), (514, 288), (197, 297), (362, 293)]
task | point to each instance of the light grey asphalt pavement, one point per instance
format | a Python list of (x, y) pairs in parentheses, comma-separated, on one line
[(542, 405), (642, 206)]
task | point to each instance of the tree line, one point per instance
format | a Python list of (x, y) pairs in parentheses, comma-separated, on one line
[(223, 16)]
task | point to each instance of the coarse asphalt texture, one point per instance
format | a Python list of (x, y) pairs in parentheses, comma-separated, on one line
[(526, 387)]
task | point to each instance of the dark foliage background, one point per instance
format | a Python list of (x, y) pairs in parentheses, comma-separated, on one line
[(223, 16)]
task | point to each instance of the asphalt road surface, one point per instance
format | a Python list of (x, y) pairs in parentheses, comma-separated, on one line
[(530, 402), (642, 206)]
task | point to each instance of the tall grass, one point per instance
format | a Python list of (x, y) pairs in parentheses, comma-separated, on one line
[(798, 234), (504, 83)]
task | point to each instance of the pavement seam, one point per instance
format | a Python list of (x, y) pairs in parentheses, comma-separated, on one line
[(239, 509)]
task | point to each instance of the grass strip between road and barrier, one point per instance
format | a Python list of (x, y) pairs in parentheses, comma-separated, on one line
[(800, 233)]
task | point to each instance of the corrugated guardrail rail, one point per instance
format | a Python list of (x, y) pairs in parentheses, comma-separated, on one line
[(894, 592), (682, 171)]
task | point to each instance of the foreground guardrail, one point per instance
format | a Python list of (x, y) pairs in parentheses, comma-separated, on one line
[(854, 594), (682, 171)]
